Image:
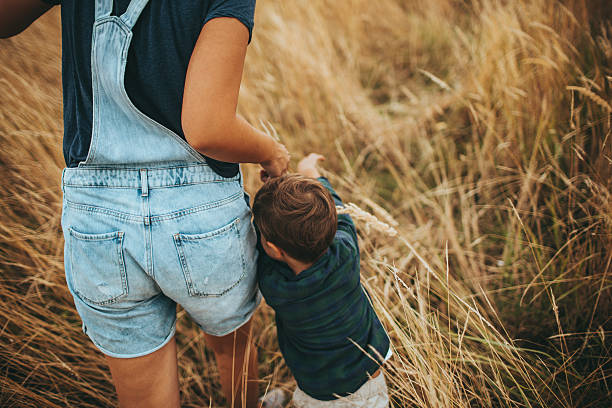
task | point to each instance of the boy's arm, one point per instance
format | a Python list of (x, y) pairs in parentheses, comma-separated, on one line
[(345, 222), (208, 117), (308, 167), (335, 196), (17, 15)]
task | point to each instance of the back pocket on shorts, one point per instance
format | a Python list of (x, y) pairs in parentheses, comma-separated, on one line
[(97, 266), (213, 262)]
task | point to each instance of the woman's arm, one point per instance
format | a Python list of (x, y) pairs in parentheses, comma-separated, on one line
[(17, 15), (209, 118)]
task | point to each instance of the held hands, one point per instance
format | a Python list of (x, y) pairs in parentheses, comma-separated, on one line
[(308, 165), (277, 165)]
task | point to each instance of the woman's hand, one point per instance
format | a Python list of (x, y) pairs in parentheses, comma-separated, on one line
[(308, 165)]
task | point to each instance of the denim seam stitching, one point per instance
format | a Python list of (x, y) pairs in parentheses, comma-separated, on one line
[(101, 166), (157, 218), (95, 101), (90, 208), (193, 210), (106, 19), (196, 237), (92, 186), (95, 237), (184, 266), (135, 185)]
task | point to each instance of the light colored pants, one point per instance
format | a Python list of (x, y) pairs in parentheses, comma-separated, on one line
[(372, 394)]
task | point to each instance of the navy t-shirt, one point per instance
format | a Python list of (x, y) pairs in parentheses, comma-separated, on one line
[(164, 38)]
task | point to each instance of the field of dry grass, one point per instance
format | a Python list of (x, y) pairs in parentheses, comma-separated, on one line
[(479, 130)]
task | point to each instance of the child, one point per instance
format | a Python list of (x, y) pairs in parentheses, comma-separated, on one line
[(308, 272)]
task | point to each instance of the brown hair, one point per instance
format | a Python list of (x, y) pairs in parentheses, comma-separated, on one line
[(297, 214)]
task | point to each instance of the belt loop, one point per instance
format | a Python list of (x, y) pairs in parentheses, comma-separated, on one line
[(144, 182)]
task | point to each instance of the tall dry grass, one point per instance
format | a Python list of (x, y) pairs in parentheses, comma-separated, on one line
[(479, 131)]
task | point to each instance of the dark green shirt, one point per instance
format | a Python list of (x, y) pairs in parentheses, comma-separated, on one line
[(320, 311)]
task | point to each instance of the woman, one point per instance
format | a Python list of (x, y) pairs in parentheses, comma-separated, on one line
[(153, 211)]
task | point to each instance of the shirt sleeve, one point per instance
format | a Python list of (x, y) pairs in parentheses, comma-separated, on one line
[(345, 222), (242, 10)]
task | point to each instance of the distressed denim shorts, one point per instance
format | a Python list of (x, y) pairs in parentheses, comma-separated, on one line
[(139, 241)]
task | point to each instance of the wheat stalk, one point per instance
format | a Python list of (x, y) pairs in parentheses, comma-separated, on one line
[(370, 220), (591, 95)]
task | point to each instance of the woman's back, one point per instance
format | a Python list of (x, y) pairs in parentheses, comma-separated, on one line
[(158, 57)]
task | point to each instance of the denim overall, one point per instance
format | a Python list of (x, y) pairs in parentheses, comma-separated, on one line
[(147, 223)]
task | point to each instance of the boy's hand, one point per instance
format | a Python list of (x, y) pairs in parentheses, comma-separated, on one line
[(308, 165)]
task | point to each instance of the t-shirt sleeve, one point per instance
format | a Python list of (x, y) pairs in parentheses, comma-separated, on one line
[(345, 222), (242, 10)]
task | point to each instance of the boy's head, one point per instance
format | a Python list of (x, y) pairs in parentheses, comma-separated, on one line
[(297, 214)]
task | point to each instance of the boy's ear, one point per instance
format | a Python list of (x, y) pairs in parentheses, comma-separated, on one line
[(274, 251)]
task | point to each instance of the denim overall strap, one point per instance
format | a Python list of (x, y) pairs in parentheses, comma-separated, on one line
[(133, 12), (103, 8), (122, 135)]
